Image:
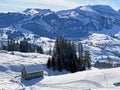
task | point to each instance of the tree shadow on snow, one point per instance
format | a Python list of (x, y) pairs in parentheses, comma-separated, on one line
[(31, 82), (3, 69)]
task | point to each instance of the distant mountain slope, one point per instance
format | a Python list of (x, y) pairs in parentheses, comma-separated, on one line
[(74, 23), (36, 11), (101, 46), (10, 19)]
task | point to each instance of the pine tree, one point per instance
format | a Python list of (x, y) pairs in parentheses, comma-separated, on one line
[(59, 64), (10, 45), (16, 47), (64, 55), (108, 62), (97, 64), (49, 63), (87, 60), (80, 57), (53, 63), (73, 58), (3, 47), (40, 50), (23, 46)]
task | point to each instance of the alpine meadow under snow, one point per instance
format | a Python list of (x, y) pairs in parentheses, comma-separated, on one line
[(97, 27), (11, 65)]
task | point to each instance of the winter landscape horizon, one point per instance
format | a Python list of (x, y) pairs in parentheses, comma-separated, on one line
[(60, 45)]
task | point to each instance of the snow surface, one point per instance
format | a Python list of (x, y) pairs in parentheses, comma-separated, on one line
[(100, 43), (33, 68), (87, 8), (101, 46), (32, 11), (11, 65)]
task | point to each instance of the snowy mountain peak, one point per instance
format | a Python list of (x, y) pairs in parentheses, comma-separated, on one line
[(32, 11), (101, 9), (36, 11), (104, 9), (86, 8), (91, 8)]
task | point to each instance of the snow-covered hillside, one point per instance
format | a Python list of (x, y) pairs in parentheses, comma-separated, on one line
[(101, 46), (11, 65), (44, 42)]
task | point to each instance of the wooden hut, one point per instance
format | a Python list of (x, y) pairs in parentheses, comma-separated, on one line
[(30, 72)]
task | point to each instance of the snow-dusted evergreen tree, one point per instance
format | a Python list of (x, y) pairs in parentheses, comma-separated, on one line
[(25, 46), (97, 64), (3, 47), (39, 49), (109, 62), (49, 63), (64, 56), (87, 60), (11, 45), (53, 63), (80, 57)]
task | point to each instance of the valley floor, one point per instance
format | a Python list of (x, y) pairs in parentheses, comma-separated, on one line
[(10, 76)]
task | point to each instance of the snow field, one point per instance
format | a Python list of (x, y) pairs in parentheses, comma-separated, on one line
[(11, 65)]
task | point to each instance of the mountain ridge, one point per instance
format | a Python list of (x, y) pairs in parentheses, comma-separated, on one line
[(36, 11), (73, 23)]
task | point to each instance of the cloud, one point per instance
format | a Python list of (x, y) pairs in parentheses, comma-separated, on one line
[(52, 4)]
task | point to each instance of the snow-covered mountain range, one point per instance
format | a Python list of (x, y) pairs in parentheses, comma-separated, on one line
[(98, 26), (74, 23)]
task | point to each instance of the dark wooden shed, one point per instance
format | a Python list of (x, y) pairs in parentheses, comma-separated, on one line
[(30, 72)]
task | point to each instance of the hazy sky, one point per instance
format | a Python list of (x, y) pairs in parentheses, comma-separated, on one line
[(20, 5)]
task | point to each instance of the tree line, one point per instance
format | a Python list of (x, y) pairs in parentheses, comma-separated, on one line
[(22, 46), (65, 57)]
